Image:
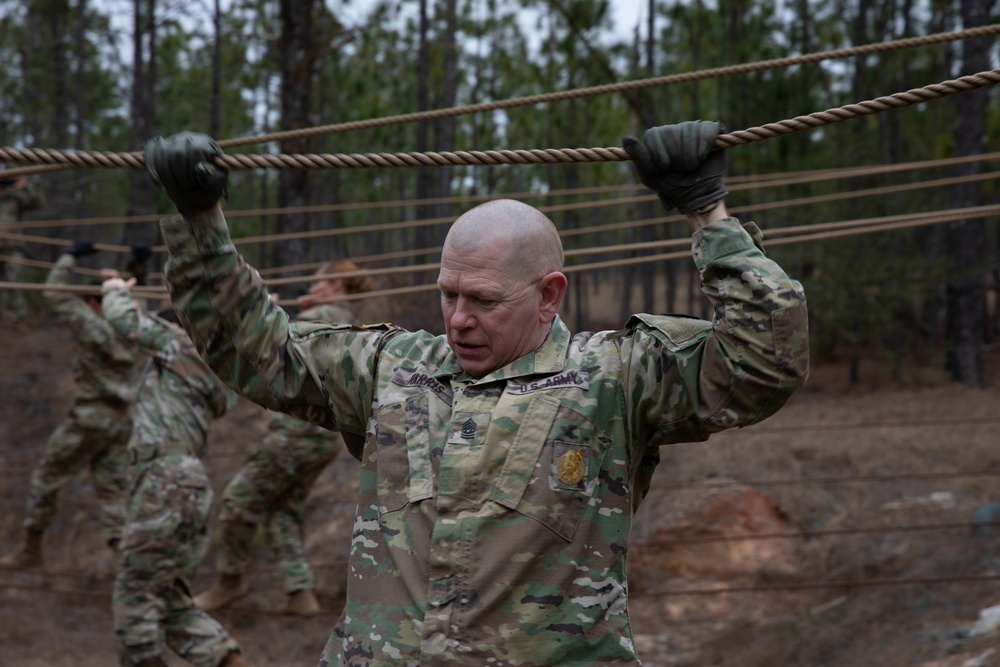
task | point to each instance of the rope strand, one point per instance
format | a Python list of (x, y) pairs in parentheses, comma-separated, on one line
[(530, 156)]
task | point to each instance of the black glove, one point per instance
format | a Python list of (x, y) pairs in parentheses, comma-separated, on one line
[(678, 163), (81, 248), (141, 252), (137, 265), (183, 164)]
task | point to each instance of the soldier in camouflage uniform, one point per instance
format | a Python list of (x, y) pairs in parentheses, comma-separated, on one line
[(169, 495), (502, 462), (271, 488), (97, 429), (17, 195)]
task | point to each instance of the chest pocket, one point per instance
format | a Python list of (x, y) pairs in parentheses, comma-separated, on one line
[(403, 457), (553, 466)]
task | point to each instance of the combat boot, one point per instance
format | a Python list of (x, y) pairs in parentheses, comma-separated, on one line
[(235, 659), (228, 588), (301, 603), (28, 554)]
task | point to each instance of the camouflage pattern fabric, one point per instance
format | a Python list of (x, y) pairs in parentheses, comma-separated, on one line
[(270, 490), (92, 438), (104, 368), (97, 429), (13, 203), (169, 495), (165, 539), (493, 513)]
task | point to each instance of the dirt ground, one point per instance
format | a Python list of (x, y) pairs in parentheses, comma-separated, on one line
[(880, 481)]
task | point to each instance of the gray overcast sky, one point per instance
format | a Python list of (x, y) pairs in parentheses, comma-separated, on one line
[(626, 12)]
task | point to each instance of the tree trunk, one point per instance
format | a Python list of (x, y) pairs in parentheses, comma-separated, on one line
[(444, 128), (80, 100), (297, 59), (966, 238), (214, 124), (424, 182), (141, 196), (59, 206)]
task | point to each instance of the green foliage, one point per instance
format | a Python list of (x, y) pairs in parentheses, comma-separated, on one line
[(367, 64)]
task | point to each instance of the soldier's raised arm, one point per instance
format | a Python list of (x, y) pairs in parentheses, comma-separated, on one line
[(697, 377), (223, 303)]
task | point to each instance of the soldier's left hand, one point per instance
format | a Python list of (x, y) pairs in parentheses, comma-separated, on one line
[(679, 164)]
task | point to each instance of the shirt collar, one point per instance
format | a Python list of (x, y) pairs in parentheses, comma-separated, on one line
[(549, 357)]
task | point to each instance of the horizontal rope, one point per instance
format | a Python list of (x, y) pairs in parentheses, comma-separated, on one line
[(535, 156), (779, 231), (806, 233), (734, 183), (140, 292), (634, 594), (772, 233), (813, 585), (957, 422), (591, 91), (815, 534), (625, 86)]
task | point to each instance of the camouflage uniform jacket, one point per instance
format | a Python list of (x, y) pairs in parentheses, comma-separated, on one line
[(103, 368), (296, 428), (13, 203), (178, 394), (494, 513)]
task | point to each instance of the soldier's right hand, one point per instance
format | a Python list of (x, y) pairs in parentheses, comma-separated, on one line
[(183, 164), (141, 251), (81, 248), (116, 283)]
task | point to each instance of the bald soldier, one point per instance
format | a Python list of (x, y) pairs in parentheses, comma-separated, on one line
[(502, 462)]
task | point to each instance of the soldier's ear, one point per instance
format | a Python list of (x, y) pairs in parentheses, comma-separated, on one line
[(552, 287)]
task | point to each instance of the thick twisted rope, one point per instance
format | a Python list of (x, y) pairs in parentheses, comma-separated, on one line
[(623, 86), (787, 235), (734, 183), (537, 156)]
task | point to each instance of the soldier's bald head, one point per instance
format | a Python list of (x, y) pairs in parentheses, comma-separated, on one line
[(532, 242)]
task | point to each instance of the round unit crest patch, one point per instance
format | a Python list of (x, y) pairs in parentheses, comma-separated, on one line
[(569, 467)]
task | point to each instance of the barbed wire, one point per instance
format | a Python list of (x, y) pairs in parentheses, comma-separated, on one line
[(813, 585), (714, 590)]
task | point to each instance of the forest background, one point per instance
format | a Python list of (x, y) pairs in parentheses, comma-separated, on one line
[(245, 68)]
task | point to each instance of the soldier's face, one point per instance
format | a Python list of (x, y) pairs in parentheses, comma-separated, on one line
[(491, 317), (324, 290)]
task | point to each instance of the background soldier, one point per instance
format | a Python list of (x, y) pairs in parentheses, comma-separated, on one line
[(17, 195), (95, 433), (169, 494), (271, 488)]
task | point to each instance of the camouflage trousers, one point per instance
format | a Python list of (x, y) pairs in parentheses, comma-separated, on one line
[(166, 533), (270, 490), (13, 306), (94, 436)]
